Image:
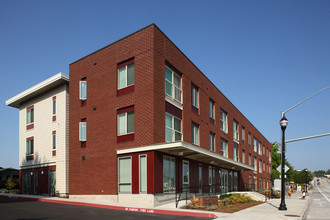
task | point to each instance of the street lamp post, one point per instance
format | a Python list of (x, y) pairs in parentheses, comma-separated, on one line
[(283, 123)]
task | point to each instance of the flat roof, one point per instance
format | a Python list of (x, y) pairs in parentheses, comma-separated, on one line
[(37, 90), (190, 151)]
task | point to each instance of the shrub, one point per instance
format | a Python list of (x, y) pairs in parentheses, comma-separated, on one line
[(212, 208), (224, 196), (239, 198)]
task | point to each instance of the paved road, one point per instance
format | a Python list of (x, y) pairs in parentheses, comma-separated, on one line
[(319, 207), (21, 209)]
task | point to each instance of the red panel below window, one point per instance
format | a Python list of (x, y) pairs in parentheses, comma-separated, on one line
[(125, 91), (125, 138), (212, 121), (54, 118), (54, 153), (169, 108), (28, 127), (30, 157), (194, 109), (83, 144)]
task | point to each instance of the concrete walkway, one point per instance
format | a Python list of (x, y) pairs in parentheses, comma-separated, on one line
[(267, 211)]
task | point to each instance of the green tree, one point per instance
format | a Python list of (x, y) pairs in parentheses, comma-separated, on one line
[(276, 162), (302, 177), (10, 184)]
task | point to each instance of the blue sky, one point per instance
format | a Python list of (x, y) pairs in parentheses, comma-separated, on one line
[(265, 56)]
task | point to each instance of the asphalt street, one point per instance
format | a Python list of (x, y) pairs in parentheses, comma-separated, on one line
[(319, 206), (21, 209)]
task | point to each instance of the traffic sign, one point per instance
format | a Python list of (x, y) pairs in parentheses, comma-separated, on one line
[(285, 168)]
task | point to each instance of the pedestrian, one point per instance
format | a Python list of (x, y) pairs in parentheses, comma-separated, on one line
[(290, 192), (303, 194)]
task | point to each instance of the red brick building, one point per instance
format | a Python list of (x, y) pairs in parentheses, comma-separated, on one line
[(145, 121)]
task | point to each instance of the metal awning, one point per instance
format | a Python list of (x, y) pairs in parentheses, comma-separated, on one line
[(192, 152)]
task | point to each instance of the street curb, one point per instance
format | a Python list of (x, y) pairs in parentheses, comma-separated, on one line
[(306, 207), (122, 208)]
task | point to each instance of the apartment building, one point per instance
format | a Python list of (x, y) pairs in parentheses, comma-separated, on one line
[(145, 122), (44, 136)]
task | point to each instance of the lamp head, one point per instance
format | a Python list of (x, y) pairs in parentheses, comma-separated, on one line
[(284, 122)]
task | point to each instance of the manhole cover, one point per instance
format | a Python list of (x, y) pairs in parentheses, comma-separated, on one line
[(293, 215)]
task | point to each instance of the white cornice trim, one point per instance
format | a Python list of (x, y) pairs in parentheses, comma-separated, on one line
[(16, 100)]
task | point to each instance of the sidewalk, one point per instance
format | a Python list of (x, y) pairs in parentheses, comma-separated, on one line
[(267, 211)]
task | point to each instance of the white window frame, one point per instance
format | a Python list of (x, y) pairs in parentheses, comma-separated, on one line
[(223, 152), (80, 130), (173, 129), (125, 132), (81, 90), (194, 96), (173, 86), (130, 177), (255, 164), (260, 166), (195, 134), (30, 116), (126, 76), (223, 121), (146, 172), (235, 131)]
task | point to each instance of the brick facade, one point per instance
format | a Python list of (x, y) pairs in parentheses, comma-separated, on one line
[(93, 168)]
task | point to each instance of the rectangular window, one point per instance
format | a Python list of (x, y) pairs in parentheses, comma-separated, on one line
[(83, 90), (243, 134), (185, 174), (249, 159), (143, 173), (224, 148), (54, 140), (243, 156), (260, 166), (126, 123), (249, 139), (254, 144), (236, 153), (194, 96), (29, 146), (126, 76), (200, 177), (212, 142), (168, 174), (82, 131), (255, 164), (194, 134), (54, 106), (211, 109), (173, 85), (223, 121), (235, 131), (172, 128), (125, 174), (30, 116), (210, 176)]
